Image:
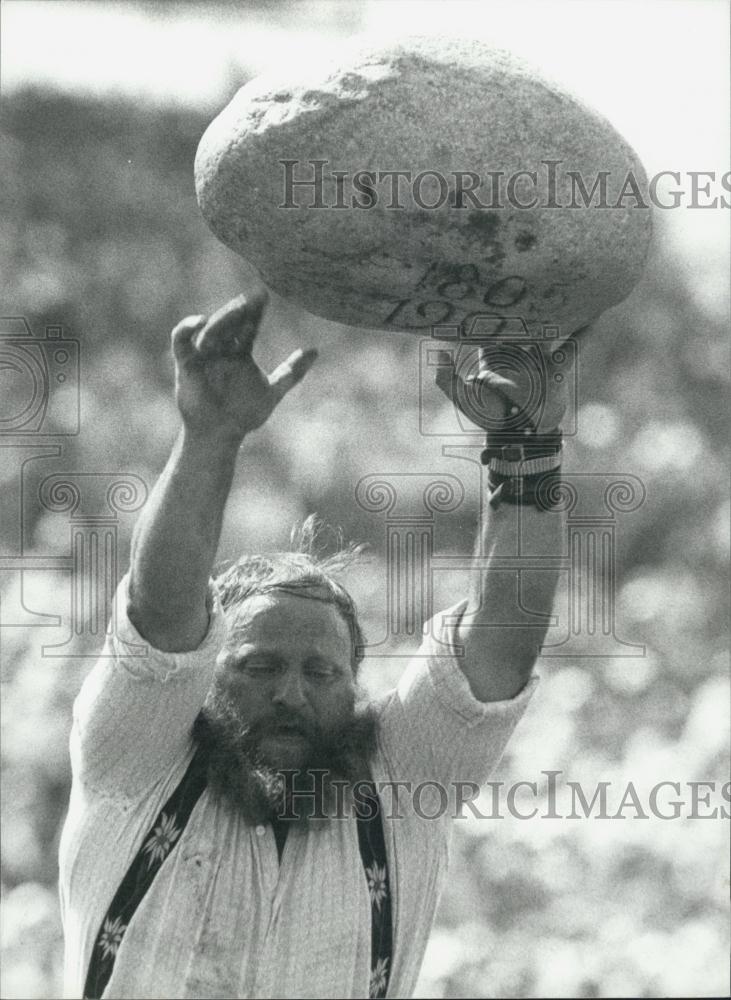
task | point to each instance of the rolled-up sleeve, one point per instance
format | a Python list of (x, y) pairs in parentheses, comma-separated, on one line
[(432, 726), (134, 713)]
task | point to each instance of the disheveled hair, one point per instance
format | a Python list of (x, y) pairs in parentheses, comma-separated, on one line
[(307, 570)]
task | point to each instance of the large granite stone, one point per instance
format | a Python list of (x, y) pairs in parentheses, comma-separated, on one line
[(447, 106)]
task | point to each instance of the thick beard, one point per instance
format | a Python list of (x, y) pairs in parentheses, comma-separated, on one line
[(239, 775)]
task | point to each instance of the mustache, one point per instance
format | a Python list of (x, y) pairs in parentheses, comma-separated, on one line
[(285, 723), (240, 773)]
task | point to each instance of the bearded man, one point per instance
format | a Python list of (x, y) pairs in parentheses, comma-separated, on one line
[(236, 827)]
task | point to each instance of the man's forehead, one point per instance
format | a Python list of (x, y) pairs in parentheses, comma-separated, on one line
[(282, 617)]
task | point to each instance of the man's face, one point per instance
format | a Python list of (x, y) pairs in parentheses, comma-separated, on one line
[(287, 669)]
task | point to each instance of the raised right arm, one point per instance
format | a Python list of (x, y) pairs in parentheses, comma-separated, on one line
[(222, 396)]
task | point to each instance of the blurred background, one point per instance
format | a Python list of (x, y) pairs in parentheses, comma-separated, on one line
[(103, 105)]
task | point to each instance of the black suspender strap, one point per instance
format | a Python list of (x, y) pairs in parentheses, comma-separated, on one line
[(156, 847), (165, 833), (372, 846)]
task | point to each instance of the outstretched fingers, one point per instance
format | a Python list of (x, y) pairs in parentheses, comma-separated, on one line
[(290, 372), (232, 328)]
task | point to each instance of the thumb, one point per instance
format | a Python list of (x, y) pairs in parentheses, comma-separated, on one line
[(181, 338)]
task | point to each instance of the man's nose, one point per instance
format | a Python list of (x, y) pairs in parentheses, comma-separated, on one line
[(290, 690)]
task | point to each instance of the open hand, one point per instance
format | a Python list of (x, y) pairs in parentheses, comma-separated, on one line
[(219, 388), (515, 384)]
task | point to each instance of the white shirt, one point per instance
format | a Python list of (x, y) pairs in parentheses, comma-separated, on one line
[(223, 918)]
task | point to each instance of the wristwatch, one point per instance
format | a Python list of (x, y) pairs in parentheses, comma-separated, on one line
[(517, 467)]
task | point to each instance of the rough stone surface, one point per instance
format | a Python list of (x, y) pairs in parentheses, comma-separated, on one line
[(436, 105)]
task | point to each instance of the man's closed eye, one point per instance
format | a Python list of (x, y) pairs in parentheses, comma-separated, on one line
[(257, 666)]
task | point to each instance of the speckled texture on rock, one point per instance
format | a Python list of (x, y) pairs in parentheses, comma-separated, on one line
[(438, 105)]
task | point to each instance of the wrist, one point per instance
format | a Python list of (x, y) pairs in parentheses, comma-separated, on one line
[(523, 468), (527, 453), (214, 442), (541, 491)]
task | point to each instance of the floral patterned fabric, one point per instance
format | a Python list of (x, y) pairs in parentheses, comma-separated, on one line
[(164, 835)]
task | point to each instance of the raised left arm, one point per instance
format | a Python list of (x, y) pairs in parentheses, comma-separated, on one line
[(513, 585), (509, 607)]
